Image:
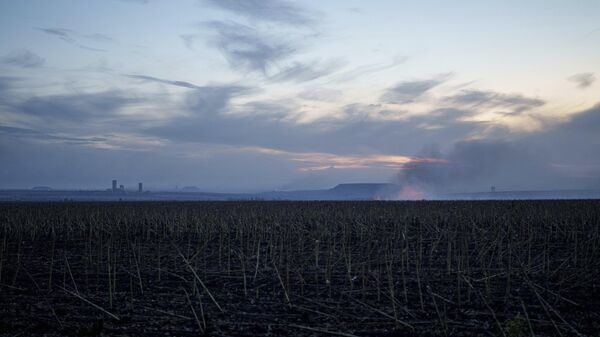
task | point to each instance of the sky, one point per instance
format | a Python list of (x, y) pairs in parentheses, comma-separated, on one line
[(254, 95)]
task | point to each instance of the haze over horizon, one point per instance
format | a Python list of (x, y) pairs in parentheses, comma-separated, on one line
[(254, 95)]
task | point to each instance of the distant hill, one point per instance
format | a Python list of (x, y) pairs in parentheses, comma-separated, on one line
[(524, 195), (41, 188), (190, 189), (353, 191), (366, 191)]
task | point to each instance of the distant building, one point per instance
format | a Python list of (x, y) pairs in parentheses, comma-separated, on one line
[(122, 188), (140, 190), (114, 185), (493, 189)]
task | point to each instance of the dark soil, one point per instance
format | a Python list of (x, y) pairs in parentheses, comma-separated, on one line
[(300, 269)]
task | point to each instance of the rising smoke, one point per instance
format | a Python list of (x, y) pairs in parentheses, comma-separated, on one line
[(474, 166)]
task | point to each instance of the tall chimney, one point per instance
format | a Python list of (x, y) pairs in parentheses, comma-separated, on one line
[(114, 185), (140, 187)]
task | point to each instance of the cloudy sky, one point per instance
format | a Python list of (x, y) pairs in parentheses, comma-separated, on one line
[(249, 95)]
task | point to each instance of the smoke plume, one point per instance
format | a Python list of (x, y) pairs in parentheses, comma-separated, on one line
[(474, 166)]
